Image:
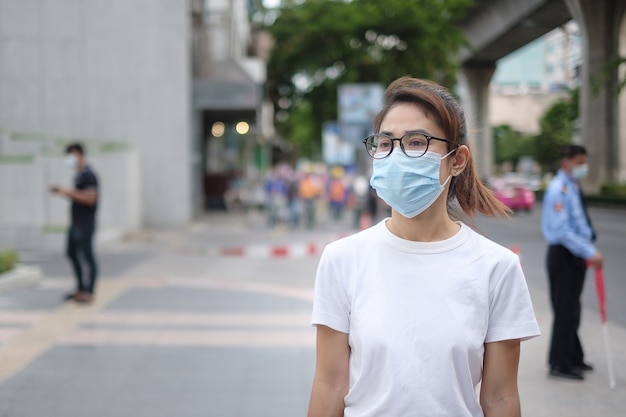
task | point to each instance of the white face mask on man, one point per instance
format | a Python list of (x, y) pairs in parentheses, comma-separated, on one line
[(579, 172), (71, 161)]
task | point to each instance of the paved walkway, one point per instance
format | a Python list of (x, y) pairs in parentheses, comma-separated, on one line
[(181, 328)]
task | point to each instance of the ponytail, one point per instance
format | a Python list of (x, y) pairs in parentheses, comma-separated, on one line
[(473, 196)]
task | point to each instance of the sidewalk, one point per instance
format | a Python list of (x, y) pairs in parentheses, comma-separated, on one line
[(180, 328), (176, 330), (21, 276), (543, 396)]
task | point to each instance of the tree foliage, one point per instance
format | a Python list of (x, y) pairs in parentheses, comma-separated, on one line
[(320, 44), (557, 130), (613, 67), (510, 145)]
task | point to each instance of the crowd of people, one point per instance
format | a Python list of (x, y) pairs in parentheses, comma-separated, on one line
[(314, 194)]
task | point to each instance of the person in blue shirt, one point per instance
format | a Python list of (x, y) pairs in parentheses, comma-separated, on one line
[(567, 228)]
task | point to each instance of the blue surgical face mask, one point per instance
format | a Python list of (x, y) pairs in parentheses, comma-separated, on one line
[(408, 185), (579, 172)]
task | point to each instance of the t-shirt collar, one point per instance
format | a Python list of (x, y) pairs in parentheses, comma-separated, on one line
[(422, 247)]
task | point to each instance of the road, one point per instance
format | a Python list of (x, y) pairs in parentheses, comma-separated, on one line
[(524, 230)]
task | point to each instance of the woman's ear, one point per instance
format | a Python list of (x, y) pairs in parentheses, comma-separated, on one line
[(459, 162)]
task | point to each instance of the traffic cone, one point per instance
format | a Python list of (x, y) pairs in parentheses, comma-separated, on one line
[(516, 250), (365, 221)]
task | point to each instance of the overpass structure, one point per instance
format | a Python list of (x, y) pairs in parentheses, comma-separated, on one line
[(495, 28)]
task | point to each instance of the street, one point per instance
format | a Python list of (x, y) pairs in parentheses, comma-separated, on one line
[(182, 327), (524, 230)]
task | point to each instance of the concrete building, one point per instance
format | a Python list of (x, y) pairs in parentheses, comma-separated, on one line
[(139, 82), (563, 57), (528, 81), (228, 107), (521, 71)]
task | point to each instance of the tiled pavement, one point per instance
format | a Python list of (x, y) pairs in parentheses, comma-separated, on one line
[(160, 347), (175, 332)]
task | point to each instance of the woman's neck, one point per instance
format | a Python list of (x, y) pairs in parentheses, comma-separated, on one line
[(430, 226)]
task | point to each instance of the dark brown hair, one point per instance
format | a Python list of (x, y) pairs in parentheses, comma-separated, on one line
[(75, 147), (571, 151), (439, 104)]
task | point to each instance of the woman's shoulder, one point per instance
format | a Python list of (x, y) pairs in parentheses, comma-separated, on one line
[(358, 241), (491, 248)]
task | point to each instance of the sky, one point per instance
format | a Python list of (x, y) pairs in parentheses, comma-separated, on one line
[(271, 3)]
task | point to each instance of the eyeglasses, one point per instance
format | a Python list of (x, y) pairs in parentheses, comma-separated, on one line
[(413, 144)]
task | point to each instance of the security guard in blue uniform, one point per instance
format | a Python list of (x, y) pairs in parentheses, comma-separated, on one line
[(568, 230)]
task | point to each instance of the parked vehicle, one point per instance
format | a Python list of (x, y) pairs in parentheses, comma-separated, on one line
[(515, 193)]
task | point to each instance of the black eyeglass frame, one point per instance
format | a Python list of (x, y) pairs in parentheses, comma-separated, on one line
[(428, 139)]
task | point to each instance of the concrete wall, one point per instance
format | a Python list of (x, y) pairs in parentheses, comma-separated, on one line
[(104, 70), (621, 107), (31, 218), (523, 112)]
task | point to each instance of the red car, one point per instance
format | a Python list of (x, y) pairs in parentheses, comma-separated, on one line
[(516, 195)]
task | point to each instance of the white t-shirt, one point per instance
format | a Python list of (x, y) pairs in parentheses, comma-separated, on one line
[(417, 317)]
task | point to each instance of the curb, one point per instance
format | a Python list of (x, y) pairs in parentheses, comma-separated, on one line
[(275, 251), (20, 277), (271, 251)]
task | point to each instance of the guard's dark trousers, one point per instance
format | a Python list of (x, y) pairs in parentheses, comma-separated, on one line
[(567, 277), (80, 248)]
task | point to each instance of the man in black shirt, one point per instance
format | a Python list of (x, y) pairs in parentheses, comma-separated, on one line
[(84, 198)]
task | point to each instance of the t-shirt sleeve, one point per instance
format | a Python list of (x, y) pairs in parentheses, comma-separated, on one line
[(511, 313), (331, 305), (87, 181), (91, 181)]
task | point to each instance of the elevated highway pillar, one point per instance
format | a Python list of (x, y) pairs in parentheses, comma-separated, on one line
[(474, 82), (622, 102), (600, 23)]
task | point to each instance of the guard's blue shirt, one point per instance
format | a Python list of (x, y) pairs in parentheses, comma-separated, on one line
[(563, 217)]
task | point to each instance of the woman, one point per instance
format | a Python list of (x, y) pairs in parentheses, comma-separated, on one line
[(414, 312)]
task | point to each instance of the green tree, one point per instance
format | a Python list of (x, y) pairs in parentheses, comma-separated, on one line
[(557, 129), (320, 44), (510, 145), (608, 70)]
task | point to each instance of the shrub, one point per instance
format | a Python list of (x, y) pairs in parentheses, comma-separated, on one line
[(8, 259), (613, 190)]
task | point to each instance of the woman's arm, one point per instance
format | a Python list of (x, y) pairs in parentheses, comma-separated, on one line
[(498, 393), (331, 381)]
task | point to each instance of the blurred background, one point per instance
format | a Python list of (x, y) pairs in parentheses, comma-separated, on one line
[(227, 137), (188, 106)]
